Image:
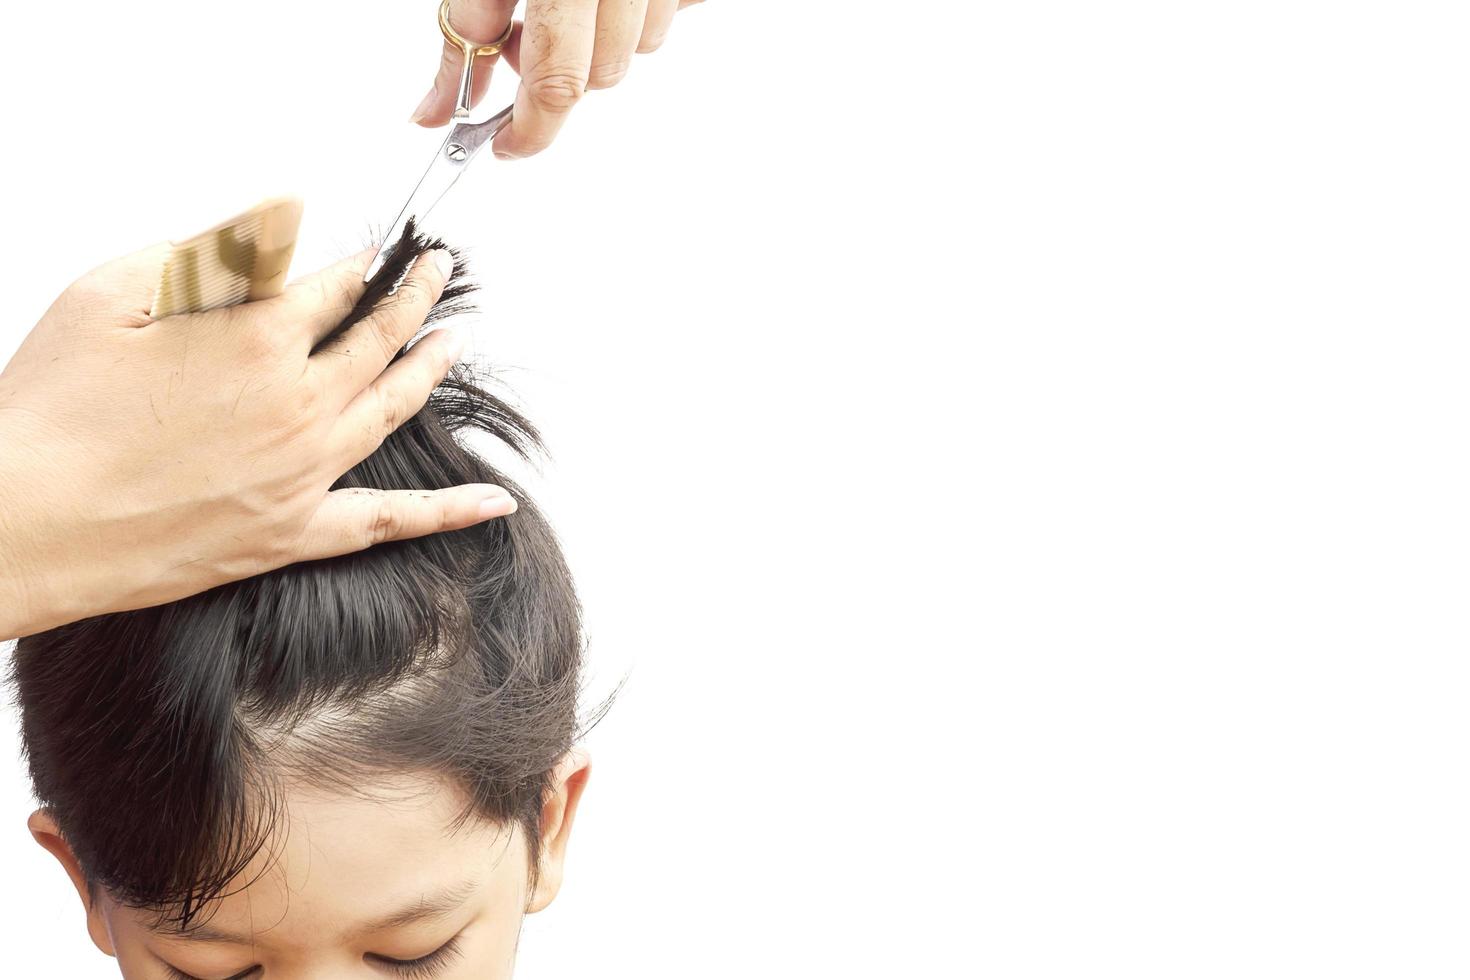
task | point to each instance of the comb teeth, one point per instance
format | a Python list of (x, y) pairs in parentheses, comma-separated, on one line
[(242, 259)]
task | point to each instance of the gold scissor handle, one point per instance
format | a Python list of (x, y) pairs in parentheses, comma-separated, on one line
[(471, 50)]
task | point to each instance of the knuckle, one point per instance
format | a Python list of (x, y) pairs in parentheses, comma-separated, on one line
[(607, 74), (389, 333), (385, 522), (305, 400), (396, 319), (449, 63), (652, 42), (375, 432), (557, 89), (257, 341), (394, 408), (416, 294), (407, 308)]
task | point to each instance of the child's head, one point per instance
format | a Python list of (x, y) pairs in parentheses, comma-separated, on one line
[(360, 767)]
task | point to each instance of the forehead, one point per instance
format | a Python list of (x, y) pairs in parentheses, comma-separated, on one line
[(341, 861)]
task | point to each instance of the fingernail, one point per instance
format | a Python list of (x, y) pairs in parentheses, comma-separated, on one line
[(497, 506), (422, 112), (505, 155), (444, 262)]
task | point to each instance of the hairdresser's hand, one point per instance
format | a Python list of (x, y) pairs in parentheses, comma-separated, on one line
[(564, 48), (146, 461)]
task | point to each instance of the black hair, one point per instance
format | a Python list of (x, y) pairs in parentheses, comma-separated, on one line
[(160, 739)]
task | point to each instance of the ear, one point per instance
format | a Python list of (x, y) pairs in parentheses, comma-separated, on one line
[(568, 782), (48, 835)]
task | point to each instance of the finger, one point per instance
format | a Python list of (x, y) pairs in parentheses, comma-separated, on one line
[(512, 50), (619, 26), (656, 24), (477, 20), (353, 519), (396, 395), (315, 304), (350, 361), (555, 56)]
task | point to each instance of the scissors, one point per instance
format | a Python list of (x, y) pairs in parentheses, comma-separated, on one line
[(464, 141)]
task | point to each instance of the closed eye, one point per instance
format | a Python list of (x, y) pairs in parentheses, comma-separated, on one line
[(422, 968), (176, 974)]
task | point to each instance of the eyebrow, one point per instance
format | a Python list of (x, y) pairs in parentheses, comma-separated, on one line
[(426, 907), (429, 906)]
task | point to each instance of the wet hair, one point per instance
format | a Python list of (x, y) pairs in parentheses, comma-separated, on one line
[(161, 740)]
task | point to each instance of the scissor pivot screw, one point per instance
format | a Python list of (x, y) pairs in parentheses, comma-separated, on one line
[(456, 152)]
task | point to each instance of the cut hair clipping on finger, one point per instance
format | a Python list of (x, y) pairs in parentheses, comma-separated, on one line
[(399, 263)]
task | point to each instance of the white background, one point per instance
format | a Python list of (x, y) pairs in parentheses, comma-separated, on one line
[(1018, 450)]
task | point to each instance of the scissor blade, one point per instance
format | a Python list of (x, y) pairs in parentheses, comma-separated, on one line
[(440, 176), (459, 148)]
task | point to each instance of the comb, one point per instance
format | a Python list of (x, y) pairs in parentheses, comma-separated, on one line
[(242, 259)]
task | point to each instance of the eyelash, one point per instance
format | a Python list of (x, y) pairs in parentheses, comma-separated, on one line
[(176, 974), (423, 968)]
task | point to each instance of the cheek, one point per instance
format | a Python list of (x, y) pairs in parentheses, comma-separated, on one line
[(489, 942), (133, 958), (489, 950), (130, 943)]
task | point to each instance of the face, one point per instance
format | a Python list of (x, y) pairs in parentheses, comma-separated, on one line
[(377, 885)]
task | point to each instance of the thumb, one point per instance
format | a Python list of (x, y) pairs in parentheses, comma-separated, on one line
[(477, 20), (353, 519)]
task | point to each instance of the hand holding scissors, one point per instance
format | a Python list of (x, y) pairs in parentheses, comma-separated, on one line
[(564, 48)]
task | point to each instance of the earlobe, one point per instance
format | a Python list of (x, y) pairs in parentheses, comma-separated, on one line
[(46, 833), (557, 813)]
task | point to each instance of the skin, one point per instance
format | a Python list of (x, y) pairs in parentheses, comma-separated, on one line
[(316, 906), (563, 49), (147, 461)]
